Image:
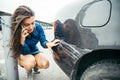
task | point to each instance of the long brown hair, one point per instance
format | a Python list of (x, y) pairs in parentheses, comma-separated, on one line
[(18, 16)]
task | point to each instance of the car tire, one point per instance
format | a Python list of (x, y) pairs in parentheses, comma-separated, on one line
[(103, 70)]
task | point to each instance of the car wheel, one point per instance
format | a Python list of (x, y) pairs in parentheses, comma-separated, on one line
[(103, 70)]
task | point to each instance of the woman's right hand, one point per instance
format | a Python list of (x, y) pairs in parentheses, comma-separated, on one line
[(24, 34)]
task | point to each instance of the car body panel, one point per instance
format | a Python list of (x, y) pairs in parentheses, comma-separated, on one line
[(68, 56), (99, 28)]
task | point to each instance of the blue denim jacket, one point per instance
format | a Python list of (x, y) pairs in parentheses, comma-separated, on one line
[(30, 46)]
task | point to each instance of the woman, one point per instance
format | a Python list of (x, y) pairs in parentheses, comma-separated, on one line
[(26, 33)]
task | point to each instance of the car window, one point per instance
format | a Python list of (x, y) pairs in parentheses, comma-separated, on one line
[(95, 14)]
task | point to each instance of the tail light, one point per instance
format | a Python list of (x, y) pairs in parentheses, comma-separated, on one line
[(54, 25)]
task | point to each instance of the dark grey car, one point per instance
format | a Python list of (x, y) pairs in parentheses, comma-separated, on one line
[(89, 31)]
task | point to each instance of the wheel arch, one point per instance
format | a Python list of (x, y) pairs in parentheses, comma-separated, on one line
[(90, 58)]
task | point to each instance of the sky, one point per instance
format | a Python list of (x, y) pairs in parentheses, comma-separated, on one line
[(45, 10)]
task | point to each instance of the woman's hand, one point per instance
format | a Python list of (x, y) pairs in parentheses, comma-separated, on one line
[(24, 34), (53, 43)]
